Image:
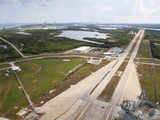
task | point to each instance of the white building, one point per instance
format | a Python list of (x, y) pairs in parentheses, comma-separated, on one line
[(132, 33), (15, 68), (83, 49), (23, 33), (22, 112), (113, 52), (156, 44), (94, 61), (3, 46)]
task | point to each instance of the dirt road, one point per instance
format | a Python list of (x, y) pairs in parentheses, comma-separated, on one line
[(13, 46)]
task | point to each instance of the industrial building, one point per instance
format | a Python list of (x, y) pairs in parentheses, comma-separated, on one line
[(113, 52), (83, 49)]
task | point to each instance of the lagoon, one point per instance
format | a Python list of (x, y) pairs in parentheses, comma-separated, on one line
[(81, 35)]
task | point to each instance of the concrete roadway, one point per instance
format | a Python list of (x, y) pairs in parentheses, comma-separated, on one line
[(92, 85), (129, 74), (129, 87), (13, 46), (6, 68), (62, 104), (145, 63), (97, 87), (74, 95), (46, 57)]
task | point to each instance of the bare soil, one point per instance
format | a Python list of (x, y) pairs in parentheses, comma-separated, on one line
[(109, 90), (106, 95)]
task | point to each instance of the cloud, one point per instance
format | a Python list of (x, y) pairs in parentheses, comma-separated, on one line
[(24, 1), (79, 10), (147, 7), (7, 1), (34, 1)]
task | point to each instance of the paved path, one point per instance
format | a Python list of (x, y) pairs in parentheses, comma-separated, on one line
[(145, 63), (129, 83), (46, 57), (24, 91), (113, 70), (13, 46), (129, 87), (84, 100), (63, 102), (97, 88), (6, 68)]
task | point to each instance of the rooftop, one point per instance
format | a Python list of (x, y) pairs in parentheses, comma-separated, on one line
[(83, 48)]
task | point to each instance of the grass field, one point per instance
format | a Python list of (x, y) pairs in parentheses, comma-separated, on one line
[(150, 81), (10, 95), (45, 74), (45, 41), (153, 37), (4, 66), (85, 68), (144, 49), (38, 77), (149, 75)]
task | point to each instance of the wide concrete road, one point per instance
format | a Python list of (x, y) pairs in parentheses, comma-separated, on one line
[(13, 46), (7, 68), (99, 87), (108, 78), (62, 103), (129, 87), (46, 57)]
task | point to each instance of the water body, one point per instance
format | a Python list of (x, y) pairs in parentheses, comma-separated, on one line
[(108, 28), (23, 33), (80, 35), (154, 29), (9, 25)]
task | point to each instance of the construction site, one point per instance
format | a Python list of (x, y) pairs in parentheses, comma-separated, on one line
[(80, 60), (94, 84), (89, 99)]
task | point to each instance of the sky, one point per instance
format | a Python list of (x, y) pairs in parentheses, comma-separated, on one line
[(95, 11)]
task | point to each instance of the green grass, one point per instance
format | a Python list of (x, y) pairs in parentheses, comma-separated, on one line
[(147, 80), (82, 73), (52, 72), (144, 50), (4, 66), (14, 96), (158, 80), (86, 68), (45, 41), (149, 74), (38, 77), (154, 36)]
